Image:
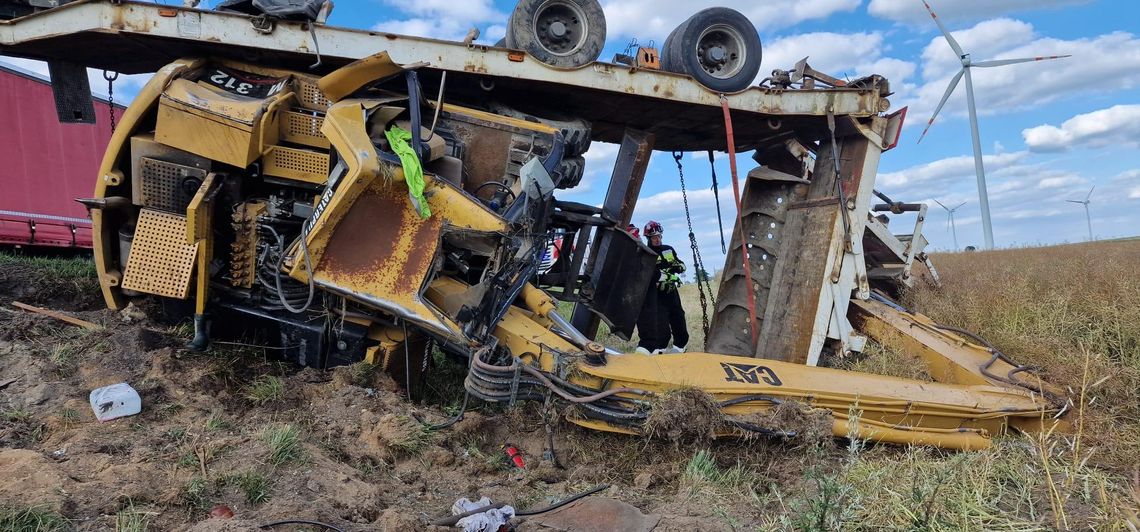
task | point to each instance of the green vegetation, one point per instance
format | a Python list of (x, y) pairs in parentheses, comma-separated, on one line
[(132, 519), (284, 443), (253, 485), (32, 519), (266, 389)]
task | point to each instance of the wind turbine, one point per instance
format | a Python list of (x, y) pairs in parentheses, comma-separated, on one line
[(967, 64), (1088, 217), (953, 227)]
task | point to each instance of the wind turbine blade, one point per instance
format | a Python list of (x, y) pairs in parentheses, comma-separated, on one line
[(1090, 193), (960, 205), (949, 90), (1075, 201), (945, 32), (1004, 62), (940, 204)]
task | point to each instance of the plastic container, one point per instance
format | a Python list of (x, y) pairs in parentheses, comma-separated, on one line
[(115, 401)]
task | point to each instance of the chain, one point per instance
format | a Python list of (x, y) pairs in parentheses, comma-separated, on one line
[(847, 237), (699, 265), (111, 77), (716, 198)]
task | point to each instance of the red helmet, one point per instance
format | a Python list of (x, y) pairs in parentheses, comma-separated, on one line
[(633, 230), (653, 229)]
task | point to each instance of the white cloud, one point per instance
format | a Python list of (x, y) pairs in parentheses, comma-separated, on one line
[(912, 11), (654, 19), (951, 168), (1134, 193), (1128, 175), (446, 19), (1115, 126), (1113, 59), (1060, 181)]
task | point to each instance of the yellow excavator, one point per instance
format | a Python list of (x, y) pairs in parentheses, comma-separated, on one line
[(398, 197)]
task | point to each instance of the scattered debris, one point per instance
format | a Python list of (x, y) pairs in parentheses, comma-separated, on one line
[(597, 514), (57, 315), (222, 511), (515, 455), (115, 401), (481, 515)]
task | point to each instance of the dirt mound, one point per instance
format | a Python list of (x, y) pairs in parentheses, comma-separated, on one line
[(793, 418), (685, 415)]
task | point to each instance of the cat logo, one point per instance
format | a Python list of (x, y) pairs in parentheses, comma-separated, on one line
[(750, 374)]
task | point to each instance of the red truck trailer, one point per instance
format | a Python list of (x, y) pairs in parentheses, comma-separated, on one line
[(45, 165)]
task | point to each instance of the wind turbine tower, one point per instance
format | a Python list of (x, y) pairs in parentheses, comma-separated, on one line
[(953, 228), (1088, 217), (967, 64)]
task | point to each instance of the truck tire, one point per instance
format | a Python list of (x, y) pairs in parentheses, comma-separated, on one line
[(719, 47), (572, 169), (560, 33), (575, 131)]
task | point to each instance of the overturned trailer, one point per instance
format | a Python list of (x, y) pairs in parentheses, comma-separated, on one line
[(251, 179)]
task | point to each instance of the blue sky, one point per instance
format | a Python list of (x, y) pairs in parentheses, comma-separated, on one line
[(1034, 161), (1050, 130)]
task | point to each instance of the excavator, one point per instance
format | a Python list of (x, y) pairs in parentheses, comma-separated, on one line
[(356, 196)]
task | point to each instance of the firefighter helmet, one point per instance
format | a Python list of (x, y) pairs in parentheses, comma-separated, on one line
[(653, 229)]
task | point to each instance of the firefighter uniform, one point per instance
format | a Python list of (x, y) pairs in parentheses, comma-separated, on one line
[(662, 315)]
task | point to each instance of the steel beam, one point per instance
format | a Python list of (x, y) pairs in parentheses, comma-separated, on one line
[(621, 199)]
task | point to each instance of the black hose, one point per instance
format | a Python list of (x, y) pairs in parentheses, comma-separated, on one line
[(299, 522), (563, 502)]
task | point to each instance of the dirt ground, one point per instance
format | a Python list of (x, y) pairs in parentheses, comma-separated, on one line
[(361, 460), (236, 431)]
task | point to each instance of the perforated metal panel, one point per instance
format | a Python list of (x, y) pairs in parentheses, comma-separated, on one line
[(304, 128), (310, 96), (162, 184), (160, 261), (302, 165)]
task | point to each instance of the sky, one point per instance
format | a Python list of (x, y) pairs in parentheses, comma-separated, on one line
[(1050, 131)]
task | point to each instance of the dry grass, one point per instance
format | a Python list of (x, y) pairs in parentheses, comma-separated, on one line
[(1075, 312), (1072, 310)]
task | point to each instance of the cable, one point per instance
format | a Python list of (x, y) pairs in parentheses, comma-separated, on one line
[(309, 272), (438, 106), (299, 522), (563, 502)]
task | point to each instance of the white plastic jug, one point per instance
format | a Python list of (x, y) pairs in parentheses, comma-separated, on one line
[(115, 401)]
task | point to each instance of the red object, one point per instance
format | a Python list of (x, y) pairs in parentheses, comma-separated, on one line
[(739, 215), (515, 456), (222, 511), (633, 230), (46, 164)]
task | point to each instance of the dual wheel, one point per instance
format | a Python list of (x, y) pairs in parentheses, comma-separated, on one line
[(719, 47)]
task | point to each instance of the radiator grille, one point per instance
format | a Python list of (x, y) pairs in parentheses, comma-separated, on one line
[(160, 261)]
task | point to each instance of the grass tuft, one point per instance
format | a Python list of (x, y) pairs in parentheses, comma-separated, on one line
[(131, 519), (31, 519), (254, 486), (266, 389), (284, 443)]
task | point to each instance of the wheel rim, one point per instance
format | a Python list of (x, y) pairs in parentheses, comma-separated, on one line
[(721, 51), (560, 27)]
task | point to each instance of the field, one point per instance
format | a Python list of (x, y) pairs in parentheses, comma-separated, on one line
[(269, 441)]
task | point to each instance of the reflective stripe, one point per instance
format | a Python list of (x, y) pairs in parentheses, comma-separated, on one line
[(46, 217)]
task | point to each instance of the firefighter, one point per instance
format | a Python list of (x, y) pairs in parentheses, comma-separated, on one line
[(662, 315)]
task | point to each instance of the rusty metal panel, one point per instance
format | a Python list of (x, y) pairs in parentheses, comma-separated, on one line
[(812, 284), (160, 262)]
